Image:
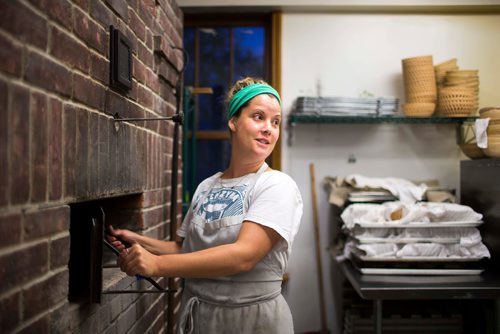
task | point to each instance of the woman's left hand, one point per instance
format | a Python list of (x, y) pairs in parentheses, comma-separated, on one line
[(138, 261)]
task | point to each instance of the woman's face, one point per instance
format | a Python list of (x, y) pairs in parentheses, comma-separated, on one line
[(257, 129)]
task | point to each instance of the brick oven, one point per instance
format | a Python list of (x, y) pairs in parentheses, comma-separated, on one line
[(63, 156)]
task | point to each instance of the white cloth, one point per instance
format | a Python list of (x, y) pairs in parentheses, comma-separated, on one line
[(432, 250), (423, 212), (466, 236), (406, 191), (249, 302), (481, 134)]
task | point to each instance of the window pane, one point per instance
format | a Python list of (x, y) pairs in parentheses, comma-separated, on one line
[(212, 156), (214, 72), (189, 38), (249, 52)]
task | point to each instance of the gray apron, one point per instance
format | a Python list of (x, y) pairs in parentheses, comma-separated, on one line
[(248, 302)]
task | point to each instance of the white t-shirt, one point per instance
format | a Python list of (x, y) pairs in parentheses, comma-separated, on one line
[(274, 202)]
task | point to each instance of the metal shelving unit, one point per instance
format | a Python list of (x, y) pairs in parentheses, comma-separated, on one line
[(303, 119), (295, 119)]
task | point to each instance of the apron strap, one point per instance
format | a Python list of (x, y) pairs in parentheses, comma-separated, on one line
[(188, 315)]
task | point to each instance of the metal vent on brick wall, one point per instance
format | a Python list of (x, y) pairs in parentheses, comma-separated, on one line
[(120, 60)]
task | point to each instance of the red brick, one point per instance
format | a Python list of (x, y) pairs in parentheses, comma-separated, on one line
[(93, 154), (10, 311), (59, 252), (60, 320), (40, 326), (11, 56), (101, 13), (153, 82), (167, 72), (69, 149), (145, 98), (119, 7), (167, 93), (155, 216), (10, 230), (19, 145), (55, 150), (83, 4), (91, 34), (143, 151), (59, 11), (168, 28), (164, 129), (69, 50), (145, 55), (46, 222), (132, 94), (82, 143), (99, 68), (139, 71), (104, 156), (116, 104), (4, 143), (137, 25), (122, 165), (113, 148), (45, 73), (163, 49), (146, 11), (23, 265), (39, 147), (88, 92), (149, 39), (42, 296), (23, 23)]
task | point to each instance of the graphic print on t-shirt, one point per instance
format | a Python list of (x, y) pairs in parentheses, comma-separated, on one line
[(222, 202)]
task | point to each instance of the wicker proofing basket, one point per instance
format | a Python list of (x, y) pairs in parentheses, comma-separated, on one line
[(456, 101), (418, 61), (419, 109), (490, 113), (472, 151), (493, 149), (451, 63)]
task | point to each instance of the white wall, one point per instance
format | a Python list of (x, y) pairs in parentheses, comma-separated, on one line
[(344, 55)]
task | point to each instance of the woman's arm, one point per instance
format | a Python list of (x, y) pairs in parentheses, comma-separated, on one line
[(253, 243), (154, 246)]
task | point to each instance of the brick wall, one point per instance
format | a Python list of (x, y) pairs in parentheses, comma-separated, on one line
[(59, 145)]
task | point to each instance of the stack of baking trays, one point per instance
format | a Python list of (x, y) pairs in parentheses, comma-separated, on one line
[(424, 238), (347, 106)]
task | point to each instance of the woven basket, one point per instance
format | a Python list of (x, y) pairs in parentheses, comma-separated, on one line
[(472, 151), (487, 108), (493, 130), (492, 114), (456, 101), (418, 109), (417, 61), (493, 149), (463, 73), (451, 63), (422, 97)]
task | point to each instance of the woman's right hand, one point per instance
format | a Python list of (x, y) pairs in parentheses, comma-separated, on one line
[(121, 239)]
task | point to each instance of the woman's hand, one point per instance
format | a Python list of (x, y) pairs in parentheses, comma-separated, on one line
[(138, 261), (117, 237)]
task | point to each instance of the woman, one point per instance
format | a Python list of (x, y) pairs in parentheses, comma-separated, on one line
[(238, 233)]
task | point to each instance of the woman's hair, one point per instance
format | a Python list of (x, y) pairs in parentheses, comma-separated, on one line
[(239, 85)]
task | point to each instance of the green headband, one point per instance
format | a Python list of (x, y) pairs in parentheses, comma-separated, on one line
[(246, 94)]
